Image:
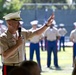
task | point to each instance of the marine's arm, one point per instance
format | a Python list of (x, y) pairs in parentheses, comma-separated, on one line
[(7, 53)]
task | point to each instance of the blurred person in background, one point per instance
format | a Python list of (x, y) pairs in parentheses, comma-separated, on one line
[(56, 26), (62, 32), (73, 39), (42, 39), (52, 45), (3, 28), (34, 42)]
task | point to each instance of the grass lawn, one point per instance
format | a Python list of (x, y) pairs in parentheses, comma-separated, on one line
[(64, 61)]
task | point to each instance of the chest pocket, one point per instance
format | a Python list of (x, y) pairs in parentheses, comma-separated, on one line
[(11, 42)]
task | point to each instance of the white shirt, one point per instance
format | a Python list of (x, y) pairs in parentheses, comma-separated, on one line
[(36, 38), (73, 35), (62, 31), (51, 34)]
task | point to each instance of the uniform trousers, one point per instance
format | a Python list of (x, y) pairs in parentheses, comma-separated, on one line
[(45, 44), (74, 51), (35, 47), (6, 69), (62, 40), (52, 47), (41, 42)]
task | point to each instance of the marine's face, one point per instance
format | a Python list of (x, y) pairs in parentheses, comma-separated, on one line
[(14, 24), (34, 26), (51, 25)]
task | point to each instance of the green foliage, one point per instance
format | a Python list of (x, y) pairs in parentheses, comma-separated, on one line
[(27, 1), (7, 6)]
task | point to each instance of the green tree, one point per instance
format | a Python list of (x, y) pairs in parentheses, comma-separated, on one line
[(7, 6)]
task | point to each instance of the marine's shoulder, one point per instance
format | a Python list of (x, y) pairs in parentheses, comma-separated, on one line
[(55, 28), (3, 35), (73, 31)]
